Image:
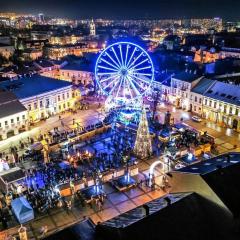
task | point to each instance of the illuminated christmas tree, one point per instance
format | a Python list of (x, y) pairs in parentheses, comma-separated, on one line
[(143, 143)]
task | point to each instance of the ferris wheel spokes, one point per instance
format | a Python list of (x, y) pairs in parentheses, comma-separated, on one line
[(124, 72), (126, 56), (134, 87), (134, 50), (116, 56), (115, 80), (145, 60), (113, 60), (107, 68), (139, 85), (114, 87), (107, 79), (120, 48), (110, 64), (135, 59), (143, 68), (140, 79)]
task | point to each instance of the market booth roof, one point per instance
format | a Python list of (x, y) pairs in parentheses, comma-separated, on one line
[(22, 210)]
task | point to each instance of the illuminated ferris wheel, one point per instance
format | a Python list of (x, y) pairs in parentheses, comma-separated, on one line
[(124, 71)]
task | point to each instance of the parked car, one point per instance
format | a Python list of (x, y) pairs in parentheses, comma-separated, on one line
[(196, 119)]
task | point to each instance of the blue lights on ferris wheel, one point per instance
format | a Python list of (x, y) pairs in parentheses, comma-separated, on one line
[(124, 70)]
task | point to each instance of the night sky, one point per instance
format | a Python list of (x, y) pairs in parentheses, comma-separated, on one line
[(130, 9)]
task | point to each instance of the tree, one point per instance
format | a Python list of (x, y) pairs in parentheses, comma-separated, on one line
[(143, 143)]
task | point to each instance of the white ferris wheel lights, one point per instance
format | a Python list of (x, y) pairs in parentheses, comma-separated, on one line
[(124, 70)]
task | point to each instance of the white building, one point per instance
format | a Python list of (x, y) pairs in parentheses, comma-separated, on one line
[(197, 95), (181, 86), (13, 115), (43, 96)]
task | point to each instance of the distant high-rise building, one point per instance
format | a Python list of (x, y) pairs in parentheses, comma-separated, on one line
[(41, 18), (92, 28)]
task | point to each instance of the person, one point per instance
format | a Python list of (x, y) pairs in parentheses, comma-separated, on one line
[(99, 204), (43, 230)]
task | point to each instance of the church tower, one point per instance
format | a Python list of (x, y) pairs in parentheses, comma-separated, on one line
[(92, 28)]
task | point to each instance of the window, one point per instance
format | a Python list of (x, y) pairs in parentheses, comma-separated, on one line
[(195, 108), (18, 119), (230, 110), (29, 107), (6, 123), (41, 104), (200, 100), (73, 95), (205, 101), (64, 106), (195, 99), (12, 121), (68, 103), (237, 111), (0, 125), (58, 97), (200, 109), (67, 95), (35, 105), (23, 116), (210, 103), (63, 96), (225, 108), (215, 104)]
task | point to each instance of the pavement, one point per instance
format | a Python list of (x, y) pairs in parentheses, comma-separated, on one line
[(115, 204), (82, 117), (225, 138)]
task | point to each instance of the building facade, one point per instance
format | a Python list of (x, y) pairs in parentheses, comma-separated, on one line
[(181, 86), (43, 96), (221, 104), (13, 115)]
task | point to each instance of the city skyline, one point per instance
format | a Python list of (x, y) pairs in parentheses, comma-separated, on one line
[(127, 10)]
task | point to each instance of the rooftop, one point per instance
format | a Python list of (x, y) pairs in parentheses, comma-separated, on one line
[(9, 104), (224, 92), (32, 86), (210, 165), (203, 85), (78, 67), (186, 77)]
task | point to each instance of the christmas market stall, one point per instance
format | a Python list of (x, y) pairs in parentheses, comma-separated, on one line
[(22, 210)]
